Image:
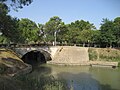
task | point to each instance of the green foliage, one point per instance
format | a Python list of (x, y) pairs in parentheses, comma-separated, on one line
[(118, 64), (29, 30), (86, 36), (3, 9), (95, 36), (92, 54), (107, 35), (110, 32), (117, 29), (102, 54), (109, 58), (3, 40), (78, 31), (9, 25), (55, 24), (15, 4)]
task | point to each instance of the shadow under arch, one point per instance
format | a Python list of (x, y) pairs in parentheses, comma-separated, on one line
[(36, 57)]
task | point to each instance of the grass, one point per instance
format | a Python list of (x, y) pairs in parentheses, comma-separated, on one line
[(104, 54), (92, 54), (118, 64)]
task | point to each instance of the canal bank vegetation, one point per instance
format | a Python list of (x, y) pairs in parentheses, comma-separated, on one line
[(104, 54)]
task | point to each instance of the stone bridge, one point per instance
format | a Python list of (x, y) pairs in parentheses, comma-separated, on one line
[(53, 54), (38, 54)]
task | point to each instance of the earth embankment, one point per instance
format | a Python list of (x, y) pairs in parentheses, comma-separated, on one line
[(11, 65)]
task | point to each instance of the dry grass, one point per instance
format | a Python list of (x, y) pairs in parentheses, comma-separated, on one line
[(7, 53), (9, 62), (104, 54)]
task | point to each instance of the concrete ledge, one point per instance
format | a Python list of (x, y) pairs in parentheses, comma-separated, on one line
[(71, 64), (103, 64), (90, 63)]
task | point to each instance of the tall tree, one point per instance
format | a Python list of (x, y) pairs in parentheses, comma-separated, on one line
[(76, 28), (54, 27), (8, 25), (29, 30), (95, 39), (107, 32), (117, 30), (41, 33)]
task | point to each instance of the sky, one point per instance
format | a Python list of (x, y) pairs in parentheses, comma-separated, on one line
[(40, 11)]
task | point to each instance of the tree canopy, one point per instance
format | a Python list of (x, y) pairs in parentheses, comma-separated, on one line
[(15, 4), (8, 25), (29, 30), (77, 32)]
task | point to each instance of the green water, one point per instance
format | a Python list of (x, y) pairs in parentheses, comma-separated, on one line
[(83, 77), (53, 77)]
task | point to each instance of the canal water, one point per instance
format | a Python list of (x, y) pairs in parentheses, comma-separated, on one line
[(83, 77)]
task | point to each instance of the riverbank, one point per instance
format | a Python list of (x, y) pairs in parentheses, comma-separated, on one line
[(11, 65), (105, 55)]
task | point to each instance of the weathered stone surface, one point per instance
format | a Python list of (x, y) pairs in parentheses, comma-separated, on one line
[(70, 55)]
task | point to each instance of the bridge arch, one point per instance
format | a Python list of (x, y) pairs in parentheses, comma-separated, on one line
[(35, 57)]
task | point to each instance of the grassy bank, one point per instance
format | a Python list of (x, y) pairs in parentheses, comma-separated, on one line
[(104, 54)]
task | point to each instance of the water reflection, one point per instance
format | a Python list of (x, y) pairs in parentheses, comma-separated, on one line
[(88, 78), (66, 78), (83, 81)]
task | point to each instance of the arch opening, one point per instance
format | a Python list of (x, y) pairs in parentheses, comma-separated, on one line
[(34, 58)]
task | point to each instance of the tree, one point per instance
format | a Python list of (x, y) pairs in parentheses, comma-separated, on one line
[(15, 4), (72, 35), (95, 38), (29, 30), (54, 25), (3, 39), (117, 30), (8, 25), (82, 25), (76, 28), (41, 33), (107, 32), (86, 36)]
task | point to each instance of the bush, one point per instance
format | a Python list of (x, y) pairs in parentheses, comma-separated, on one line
[(92, 54)]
